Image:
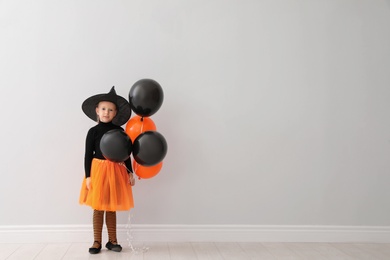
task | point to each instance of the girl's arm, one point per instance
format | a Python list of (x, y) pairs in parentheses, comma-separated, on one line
[(89, 151), (128, 166), (130, 171)]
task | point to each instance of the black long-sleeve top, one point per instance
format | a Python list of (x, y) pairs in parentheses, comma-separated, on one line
[(92, 146)]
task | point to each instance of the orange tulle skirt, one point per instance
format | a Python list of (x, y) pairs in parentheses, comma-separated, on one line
[(110, 188)]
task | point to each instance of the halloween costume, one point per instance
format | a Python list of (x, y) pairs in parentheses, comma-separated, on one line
[(110, 190)]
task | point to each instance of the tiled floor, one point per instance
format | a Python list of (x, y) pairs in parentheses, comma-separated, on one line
[(184, 251)]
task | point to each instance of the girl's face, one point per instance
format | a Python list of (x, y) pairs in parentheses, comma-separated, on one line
[(106, 111)]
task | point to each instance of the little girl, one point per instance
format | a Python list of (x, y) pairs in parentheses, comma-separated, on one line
[(107, 184)]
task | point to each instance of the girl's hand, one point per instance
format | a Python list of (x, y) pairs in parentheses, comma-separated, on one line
[(131, 179), (88, 182)]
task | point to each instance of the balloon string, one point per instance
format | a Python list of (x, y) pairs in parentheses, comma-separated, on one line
[(142, 125), (130, 238), (124, 165), (128, 233), (141, 131), (135, 170), (135, 167)]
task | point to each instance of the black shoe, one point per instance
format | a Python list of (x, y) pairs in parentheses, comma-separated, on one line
[(95, 250), (113, 247)]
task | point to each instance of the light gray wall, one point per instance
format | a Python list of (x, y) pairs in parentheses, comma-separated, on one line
[(275, 112)]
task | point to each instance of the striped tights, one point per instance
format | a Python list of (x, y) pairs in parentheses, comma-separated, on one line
[(98, 216)]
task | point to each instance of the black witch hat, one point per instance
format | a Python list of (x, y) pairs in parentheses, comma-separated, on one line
[(122, 106)]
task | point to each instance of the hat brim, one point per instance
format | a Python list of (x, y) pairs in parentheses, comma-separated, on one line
[(123, 108)]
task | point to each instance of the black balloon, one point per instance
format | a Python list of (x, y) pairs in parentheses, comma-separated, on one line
[(146, 97), (149, 148), (116, 145)]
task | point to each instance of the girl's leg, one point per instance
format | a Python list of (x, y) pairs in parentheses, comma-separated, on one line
[(111, 229), (111, 226), (98, 216)]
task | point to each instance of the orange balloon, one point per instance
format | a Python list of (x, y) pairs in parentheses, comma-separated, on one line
[(137, 125), (146, 172)]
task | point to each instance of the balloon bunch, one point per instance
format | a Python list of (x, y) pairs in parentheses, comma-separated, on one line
[(149, 146), (140, 137)]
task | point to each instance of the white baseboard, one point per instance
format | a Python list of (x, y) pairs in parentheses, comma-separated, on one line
[(198, 233)]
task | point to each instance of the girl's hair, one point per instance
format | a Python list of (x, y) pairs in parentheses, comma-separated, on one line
[(97, 116)]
